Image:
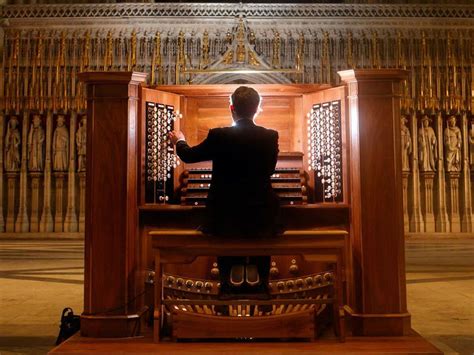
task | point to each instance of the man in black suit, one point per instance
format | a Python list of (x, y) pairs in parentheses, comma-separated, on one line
[(241, 201)]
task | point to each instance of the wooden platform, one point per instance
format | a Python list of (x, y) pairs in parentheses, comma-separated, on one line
[(412, 344)]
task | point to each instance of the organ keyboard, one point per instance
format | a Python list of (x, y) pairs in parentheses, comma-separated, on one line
[(289, 181)]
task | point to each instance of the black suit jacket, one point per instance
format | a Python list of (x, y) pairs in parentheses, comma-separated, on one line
[(241, 199)]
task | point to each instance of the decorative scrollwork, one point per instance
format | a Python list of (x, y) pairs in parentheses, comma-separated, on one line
[(234, 10)]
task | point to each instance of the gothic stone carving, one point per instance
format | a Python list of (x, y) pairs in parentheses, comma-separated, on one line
[(60, 146), (81, 144), (406, 145), (234, 10), (36, 138), (452, 144), (12, 146), (471, 144), (428, 153)]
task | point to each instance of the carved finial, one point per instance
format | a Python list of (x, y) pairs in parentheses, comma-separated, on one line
[(205, 50), (350, 42), (156, 58), (300, 52), (375, 50), (276, 49), (108, 58), (86, 51), (240, 51), (132, 59)]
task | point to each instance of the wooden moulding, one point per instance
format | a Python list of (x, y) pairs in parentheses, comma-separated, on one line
[(381, 324), (293, 325), (97, 326)]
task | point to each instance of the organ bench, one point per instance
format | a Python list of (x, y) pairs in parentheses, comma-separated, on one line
[(183, 246)]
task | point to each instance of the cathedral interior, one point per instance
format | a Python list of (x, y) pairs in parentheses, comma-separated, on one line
[(373, 103)]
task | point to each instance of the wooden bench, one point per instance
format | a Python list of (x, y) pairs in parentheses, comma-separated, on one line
[(184, 246)]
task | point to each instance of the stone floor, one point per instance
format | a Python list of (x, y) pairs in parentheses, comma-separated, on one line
[(39, 278), (440, 288)]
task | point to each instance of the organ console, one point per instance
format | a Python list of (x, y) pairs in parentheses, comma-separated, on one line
[(338, 172), (289, 181)]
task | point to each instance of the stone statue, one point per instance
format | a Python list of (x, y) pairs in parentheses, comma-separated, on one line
[(81, 144), (35, 145), (406, 144), (452, 144), (471, 144), (60, 146), (12, 146), (427, 150)]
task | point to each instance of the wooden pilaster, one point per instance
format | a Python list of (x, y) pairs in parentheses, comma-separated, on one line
[(377, 202), (111, 226)]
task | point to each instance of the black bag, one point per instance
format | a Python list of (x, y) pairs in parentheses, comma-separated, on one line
[(70, 324)]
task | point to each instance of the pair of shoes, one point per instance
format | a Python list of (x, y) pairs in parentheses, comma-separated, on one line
[(252, 278)]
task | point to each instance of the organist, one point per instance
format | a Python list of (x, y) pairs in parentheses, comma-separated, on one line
[(241, 200)]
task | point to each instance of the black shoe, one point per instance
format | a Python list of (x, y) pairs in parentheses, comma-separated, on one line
[(265, 308), (221, 310), (237, 275), (251, 275)]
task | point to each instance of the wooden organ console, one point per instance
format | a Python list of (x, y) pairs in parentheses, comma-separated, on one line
[(338, 171)]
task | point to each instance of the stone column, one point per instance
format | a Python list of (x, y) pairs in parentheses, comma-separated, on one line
[(35, 201), (453, 188), (427, 179), (46, 224), (472, 190), (70, 222), (405, 175), (59, 212), (2, 145), (82, 200), (467, 217), (441, 214), (22, 223), (416, 217), (11, 201)]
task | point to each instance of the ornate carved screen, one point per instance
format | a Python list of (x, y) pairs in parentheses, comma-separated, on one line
[(325, 150)]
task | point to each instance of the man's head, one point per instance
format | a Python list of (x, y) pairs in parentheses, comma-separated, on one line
[(245, 103)]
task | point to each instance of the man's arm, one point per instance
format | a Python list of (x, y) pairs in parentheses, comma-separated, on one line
[(275, 151), (201, 152)]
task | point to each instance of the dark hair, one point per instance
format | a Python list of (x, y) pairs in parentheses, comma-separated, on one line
[(245, 101)]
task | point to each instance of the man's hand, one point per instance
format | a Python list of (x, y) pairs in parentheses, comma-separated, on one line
[(176, 136)]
